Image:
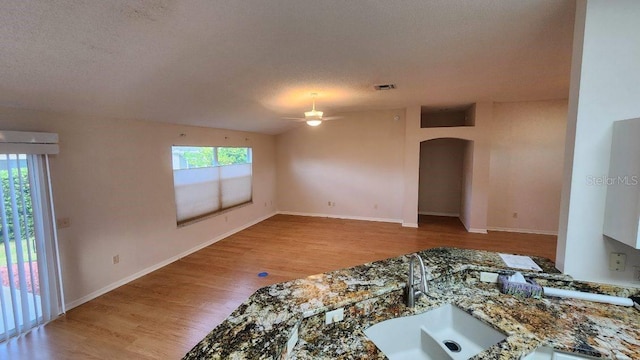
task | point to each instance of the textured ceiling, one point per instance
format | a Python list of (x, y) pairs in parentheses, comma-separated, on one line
[(245, 64)]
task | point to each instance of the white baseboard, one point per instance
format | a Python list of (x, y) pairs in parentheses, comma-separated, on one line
[(347, 217), (524, 231), (473, 230), (477, 231), (161, 264), (410, 225), (431, 213)]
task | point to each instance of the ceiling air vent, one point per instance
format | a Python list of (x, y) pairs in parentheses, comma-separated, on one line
[(384, 86)]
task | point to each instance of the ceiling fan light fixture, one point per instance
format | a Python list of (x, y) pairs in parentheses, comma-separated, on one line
[(313, 116)]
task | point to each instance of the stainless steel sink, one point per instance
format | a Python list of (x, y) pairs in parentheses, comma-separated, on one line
[(443, 333)]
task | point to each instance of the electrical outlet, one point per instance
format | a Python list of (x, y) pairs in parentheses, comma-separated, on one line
[(375, 206), (515, 215), (617, 261), (488, 277), (116, 259), (334, 316)]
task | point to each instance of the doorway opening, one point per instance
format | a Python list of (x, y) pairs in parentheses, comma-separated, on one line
[(444, 183)]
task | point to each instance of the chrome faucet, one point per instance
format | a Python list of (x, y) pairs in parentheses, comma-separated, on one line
[(411, 294)]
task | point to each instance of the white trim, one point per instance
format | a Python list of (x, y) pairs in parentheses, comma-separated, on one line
[(477, 231), (524, 231), (54, 231), (28, 137), (410, 225), (473, 230), (363, 218), (13, 148), (161, 264), (23, 142), (432, 213)]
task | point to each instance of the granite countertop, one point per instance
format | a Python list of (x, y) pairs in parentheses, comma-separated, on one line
[(372, 292)]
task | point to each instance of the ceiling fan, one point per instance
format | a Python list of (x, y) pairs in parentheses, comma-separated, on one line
[(314, 117)]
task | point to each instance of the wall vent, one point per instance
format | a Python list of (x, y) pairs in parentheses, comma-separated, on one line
[(384, 86)]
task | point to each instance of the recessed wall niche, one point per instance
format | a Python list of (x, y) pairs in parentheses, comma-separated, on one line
[(431, 117)]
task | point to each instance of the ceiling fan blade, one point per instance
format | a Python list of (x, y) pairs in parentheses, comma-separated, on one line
[(293, 118), (331, 118)]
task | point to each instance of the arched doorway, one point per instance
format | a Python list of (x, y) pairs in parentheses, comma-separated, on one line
[(444, 178)]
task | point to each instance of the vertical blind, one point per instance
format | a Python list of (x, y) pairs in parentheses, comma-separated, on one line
[(31, 294), (206, 183)]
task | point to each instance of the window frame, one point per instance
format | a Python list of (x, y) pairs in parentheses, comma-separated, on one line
[(219, 180)]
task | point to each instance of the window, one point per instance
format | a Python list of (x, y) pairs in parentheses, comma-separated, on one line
[(31, 290), (208, 180)]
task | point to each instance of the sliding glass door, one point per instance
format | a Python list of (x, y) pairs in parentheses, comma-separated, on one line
[(31, 294)]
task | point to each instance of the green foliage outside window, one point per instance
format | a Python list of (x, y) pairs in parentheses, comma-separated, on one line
[(22, 208), (197, 157), (232, 155)]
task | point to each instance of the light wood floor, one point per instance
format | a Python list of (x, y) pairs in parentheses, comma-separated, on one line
[(163, 314)]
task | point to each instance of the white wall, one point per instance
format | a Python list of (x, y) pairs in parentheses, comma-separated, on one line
[(411, 171), (477, 221), (441, 176), (355, 162), (467, 184), (605, 87), (527, 151), (113, 179)]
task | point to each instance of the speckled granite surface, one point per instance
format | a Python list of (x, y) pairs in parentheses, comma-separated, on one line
[(370, 293)]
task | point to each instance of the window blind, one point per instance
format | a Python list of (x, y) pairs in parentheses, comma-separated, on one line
[(31, 292), (209, 187)]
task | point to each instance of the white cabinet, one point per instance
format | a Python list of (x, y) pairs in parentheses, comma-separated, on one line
[(622, 212)]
